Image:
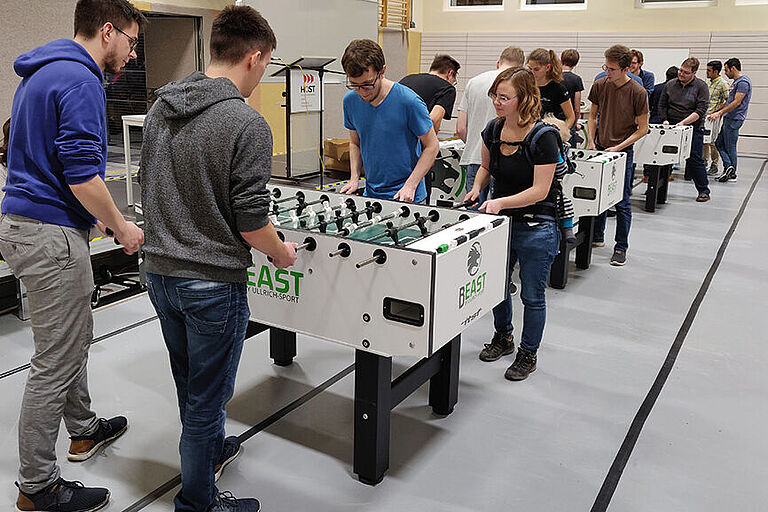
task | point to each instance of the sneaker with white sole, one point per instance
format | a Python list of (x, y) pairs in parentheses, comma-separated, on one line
[(84, 447), (728, 175), (619, 258), (232, 448)]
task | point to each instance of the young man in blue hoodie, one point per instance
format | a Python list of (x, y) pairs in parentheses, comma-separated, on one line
[(205, 163), (54, 194)]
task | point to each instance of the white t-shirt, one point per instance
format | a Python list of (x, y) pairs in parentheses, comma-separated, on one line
[(479, 108)]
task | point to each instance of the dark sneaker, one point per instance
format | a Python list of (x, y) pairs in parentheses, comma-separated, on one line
[(713, 170), (500, 345), (83, 447), (513, 289), (63, 496), (225, 502), (619, 258), (524, 365), (598, 243), (728, 175), (702, 198), (229, 452)]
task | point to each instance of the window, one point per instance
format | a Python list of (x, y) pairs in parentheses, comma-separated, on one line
[(552, 5), (751, 2), (675, 3), (474, 5)]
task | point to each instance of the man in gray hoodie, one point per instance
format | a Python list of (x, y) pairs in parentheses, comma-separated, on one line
[(205, 163)]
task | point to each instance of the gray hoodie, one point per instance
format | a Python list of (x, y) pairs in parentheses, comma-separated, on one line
[(205, 162)]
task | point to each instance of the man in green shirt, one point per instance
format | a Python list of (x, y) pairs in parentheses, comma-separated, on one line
[(718, 97)]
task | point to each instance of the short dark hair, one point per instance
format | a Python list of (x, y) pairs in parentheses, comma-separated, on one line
[(360, 55), (638, 54), (91, 15), (444, 63), (570, 57), (237, 31), (716, 65), (671, 73), (619, 54), (691, 62), (733, 62)]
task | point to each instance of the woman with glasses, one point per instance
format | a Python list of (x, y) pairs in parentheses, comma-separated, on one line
[(555, 98), (522, 162)]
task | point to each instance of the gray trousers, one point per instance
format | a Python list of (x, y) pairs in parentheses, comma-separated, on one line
[(53, 262)]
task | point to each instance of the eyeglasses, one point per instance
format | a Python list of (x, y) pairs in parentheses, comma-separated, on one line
[(500, 97), (684, 72), (134, 41), (364, 87), (612, 70)]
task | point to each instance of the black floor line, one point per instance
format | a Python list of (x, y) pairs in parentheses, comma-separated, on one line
[(611, 482), (175, 481), (95, 340)]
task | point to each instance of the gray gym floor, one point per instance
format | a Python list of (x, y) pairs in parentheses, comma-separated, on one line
[(597, 426)]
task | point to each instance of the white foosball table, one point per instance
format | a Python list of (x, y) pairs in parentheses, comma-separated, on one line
[(386, 279), (596, 186), (658, 152)]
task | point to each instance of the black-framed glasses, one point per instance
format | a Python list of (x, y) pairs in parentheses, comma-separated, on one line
[(134, 41), (364, 87), (612, 70)]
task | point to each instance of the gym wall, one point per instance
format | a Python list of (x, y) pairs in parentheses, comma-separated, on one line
[(708, 33)]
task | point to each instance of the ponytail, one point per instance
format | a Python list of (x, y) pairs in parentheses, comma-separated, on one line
[(556, 71)]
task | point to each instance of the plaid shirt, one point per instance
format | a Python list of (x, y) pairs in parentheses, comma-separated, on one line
[(718, 94)]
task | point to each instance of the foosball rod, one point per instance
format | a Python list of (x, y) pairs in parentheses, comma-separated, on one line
[(392, 232), (299, 196), (351, 227)]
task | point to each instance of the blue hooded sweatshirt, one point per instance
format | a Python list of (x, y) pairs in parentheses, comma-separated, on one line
[(58, 134)]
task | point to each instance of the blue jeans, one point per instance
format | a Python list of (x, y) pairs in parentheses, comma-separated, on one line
[(623, 208), (695, 166), (471, 173), (726, 142), (203, 324), (535, 247)]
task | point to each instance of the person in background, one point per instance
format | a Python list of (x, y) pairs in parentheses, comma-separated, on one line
[(671, 74), (394, 139), (636, 68), (555, 99), (476, 110), (622, 105), (526, 191), (438, 90), (718, 97), (4, 157), (205, 163), (734, 113), (574, 84), (57, 154), (684, 102)]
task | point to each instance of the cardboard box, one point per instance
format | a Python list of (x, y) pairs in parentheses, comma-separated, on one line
[(338, 165), (337, 149)]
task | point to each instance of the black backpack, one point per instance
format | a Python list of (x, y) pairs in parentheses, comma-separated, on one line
[(563, 167)]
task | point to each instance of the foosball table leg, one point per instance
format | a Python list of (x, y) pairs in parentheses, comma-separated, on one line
[(282, 346), (558, 271), (651, 195), (584, 247), (373, 404), (664, 173), (444, 385)]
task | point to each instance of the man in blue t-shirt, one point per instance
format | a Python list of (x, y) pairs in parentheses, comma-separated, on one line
[(733, 113), (390, 131)]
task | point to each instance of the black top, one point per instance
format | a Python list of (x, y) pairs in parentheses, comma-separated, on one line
[(514, 173), (678, 101), (574, 84), (552, 95), (433, 90), (653, 103)]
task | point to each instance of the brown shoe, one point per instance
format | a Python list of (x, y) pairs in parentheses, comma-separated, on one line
[(645, 179), (83, 447), (671, 178), (703, 198)]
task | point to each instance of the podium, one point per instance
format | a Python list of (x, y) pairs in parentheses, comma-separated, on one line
[(303, 116)]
